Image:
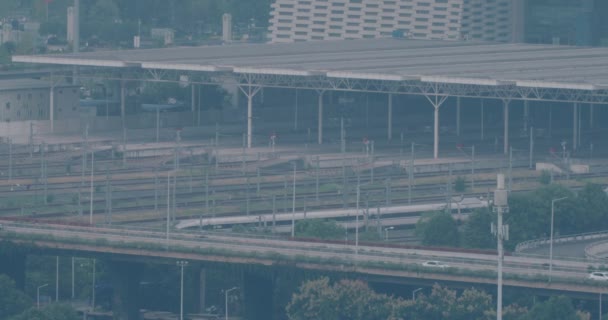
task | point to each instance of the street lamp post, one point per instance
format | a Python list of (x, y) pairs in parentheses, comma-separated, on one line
[(551, 236), (38, 294), (181, 264), (226, 299), (414, 294), (386, 233)]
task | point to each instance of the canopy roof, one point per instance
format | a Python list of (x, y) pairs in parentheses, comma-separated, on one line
[(473, 63)]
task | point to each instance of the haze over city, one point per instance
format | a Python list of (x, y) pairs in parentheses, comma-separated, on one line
[(303, 159)]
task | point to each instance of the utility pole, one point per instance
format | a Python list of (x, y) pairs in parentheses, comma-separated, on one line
[(410, 175), (91, 196)]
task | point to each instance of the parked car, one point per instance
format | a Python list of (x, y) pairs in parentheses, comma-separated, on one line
[(600, 276), (435, 264)]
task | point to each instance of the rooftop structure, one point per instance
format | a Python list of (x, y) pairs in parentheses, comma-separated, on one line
[(430, 68)]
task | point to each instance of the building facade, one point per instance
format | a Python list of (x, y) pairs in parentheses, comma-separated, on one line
[(304, 20), (569, 22), (27, 101)]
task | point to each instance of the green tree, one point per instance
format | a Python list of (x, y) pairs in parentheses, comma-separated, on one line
[(592, 201), (12, 300), (545, 177), (50, 312), (476, 231), (319, 228), (437, 229), (345, 299), (444, 303), (529, 214), (556, 308), (460, 185)]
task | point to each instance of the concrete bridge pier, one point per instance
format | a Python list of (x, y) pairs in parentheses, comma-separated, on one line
[(258, 296), (125, 279), (202, 289), (13, 265)]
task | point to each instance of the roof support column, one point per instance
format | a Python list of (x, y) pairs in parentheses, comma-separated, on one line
[(390, 117), (436, 101), (52, 107), (526, 115), (505, 108), (481, 104), (295, 113), (458, 116), (575, 127), (320, 125), (249, 93), (122, 102), (591, 116), (192, 97)]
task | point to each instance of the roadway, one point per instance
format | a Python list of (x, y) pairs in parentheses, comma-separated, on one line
[(567, 275)]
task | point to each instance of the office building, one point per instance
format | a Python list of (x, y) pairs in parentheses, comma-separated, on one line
[(304, 20)]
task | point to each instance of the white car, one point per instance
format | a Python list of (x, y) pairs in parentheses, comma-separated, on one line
[(601, 276), (435, 264)]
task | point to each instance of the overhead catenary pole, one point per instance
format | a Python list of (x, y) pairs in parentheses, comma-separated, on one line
[(91, 195)]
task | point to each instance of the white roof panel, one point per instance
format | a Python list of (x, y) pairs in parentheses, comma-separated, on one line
[(459, 62)]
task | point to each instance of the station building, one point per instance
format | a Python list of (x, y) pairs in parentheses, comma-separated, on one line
[(28, 101)]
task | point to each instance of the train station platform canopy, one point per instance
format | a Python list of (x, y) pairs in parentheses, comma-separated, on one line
[(431, 68), (394, 60)]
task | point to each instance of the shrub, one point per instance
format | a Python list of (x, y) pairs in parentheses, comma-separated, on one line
[(460, 185), (545, 177)]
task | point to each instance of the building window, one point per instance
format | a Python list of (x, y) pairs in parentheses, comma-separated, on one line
[(19, 97), (8, 105)]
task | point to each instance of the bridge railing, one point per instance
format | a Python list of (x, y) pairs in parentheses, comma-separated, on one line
[(531, 244), (341, 251)]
